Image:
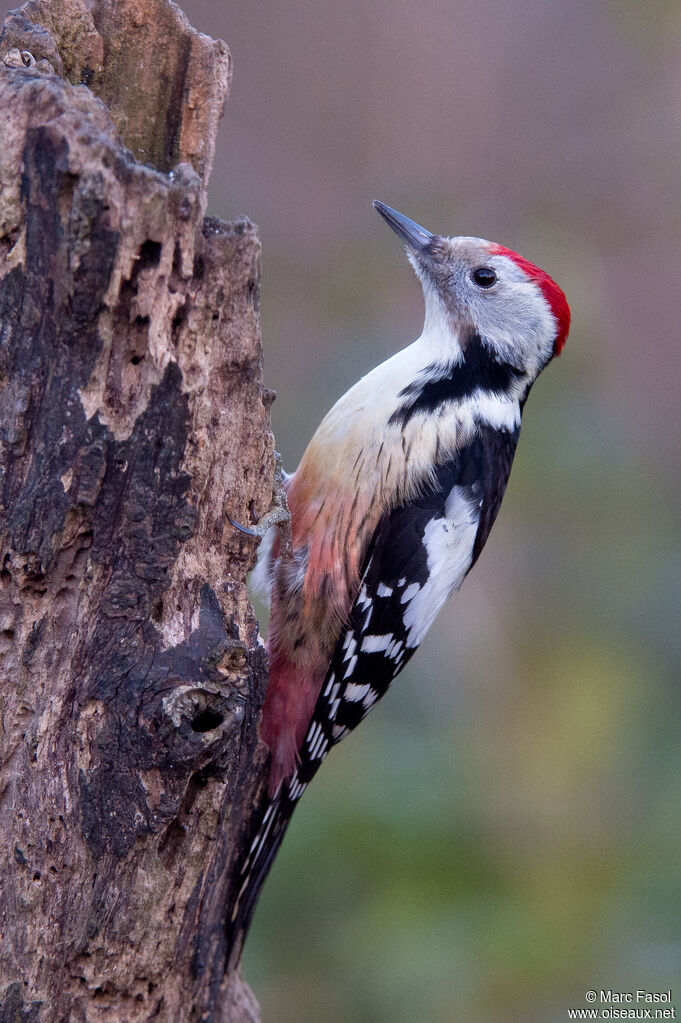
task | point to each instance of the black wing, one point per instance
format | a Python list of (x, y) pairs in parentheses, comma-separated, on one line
[(418, 554)]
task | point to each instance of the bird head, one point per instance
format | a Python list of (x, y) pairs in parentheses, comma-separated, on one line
[(475, 287)]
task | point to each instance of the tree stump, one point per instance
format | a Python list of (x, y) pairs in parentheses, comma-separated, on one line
[(133, 418)]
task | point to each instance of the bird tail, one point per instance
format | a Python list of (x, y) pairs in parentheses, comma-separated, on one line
[(273, 821)]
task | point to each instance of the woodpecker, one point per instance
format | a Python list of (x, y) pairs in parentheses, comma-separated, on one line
[(391, 506)]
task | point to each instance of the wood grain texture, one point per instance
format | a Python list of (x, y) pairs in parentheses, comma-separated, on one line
[(133, 417)]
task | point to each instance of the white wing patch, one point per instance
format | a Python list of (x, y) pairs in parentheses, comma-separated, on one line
[(449, 543), (376, 644), (354, 692)]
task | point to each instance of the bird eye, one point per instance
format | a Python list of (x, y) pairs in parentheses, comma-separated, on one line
[(484, 277)]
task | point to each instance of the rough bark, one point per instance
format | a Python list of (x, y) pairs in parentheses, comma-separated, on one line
[(133, 417)]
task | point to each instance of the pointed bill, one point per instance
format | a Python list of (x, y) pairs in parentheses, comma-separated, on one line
[(415, 237)]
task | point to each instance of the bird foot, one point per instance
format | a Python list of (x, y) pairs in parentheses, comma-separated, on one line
[(278, 514)]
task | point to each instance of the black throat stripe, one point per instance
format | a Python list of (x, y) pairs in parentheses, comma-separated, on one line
[(478, 370)]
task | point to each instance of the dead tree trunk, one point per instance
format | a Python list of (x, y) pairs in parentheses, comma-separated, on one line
[(132, 419)]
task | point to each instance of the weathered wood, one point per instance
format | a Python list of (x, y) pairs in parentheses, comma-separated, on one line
[(133, 417)]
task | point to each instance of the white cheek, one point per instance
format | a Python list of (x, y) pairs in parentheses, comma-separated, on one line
[(518, 321)]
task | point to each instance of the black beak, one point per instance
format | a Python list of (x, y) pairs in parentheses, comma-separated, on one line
[(412, 234)]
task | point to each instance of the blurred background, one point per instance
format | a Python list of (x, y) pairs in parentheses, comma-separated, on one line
[(503, 833)]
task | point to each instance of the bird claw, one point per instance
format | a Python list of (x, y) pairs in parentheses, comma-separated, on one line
[(278, 514)]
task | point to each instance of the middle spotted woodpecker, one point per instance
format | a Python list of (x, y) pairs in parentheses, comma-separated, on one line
[(391, 506)]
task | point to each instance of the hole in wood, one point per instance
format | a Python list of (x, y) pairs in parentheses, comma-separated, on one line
[(179, 320), (206, 721), (150, 254)]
